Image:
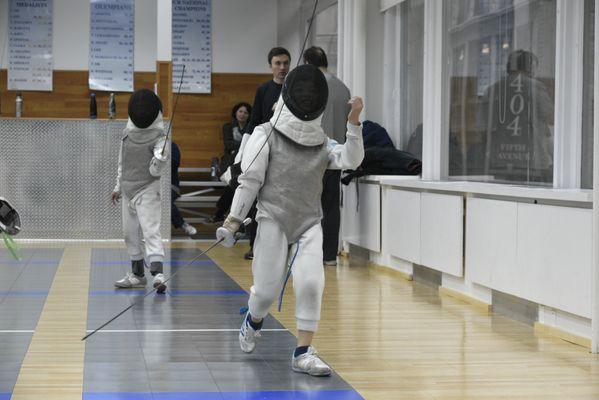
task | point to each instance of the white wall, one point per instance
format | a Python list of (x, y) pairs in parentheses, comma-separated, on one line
[(70, 42), (164, 30), (145, 35), (289, 27), (243, 33), (293, 17), (290, 36)]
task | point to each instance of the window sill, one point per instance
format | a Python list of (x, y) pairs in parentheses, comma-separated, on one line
[(380, 178), (490, 189)]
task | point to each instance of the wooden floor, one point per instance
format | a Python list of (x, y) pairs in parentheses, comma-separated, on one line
[(387, 337), (396, 339)]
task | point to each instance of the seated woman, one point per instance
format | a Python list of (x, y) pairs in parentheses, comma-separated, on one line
[(232, 134)]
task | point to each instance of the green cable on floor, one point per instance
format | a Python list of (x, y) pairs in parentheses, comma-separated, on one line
[(11, 246)]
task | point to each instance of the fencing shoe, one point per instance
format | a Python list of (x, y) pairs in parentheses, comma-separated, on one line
[(131, 281), (159, 284), (309, 363), (188, 229), (247, 335)]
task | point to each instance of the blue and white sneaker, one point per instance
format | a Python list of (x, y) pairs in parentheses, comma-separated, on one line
[(247, 335)]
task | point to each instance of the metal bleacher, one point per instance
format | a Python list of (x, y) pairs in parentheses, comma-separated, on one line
[(198, 205)]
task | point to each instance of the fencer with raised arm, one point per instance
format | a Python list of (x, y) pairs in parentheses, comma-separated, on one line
[(283, 168)]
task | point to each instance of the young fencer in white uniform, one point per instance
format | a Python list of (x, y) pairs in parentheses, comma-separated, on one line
[(141, 163), (283, 168)]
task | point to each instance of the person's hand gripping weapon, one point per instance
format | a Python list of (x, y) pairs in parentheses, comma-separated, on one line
[(10, 225), (227, 235)]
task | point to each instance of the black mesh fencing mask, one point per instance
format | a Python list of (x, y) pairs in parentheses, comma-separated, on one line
[(144, 107), (305, 92), (10, 222)]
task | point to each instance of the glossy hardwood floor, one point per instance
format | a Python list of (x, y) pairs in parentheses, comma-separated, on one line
[(395, 339), (387, 337), (53, 365)]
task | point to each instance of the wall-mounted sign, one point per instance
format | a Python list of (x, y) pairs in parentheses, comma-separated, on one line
[(30, 60), (111, 45), (192, 45)]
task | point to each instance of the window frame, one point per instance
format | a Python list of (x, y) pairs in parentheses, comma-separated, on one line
[(595, 265), (586, 175), (395, 70), (567, 152)]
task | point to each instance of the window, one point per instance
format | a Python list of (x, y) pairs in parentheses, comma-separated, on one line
[(501, 79), (587, 94), (324, 35), (411, 59)]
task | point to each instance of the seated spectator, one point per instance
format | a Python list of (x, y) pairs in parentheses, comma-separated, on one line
[(232, 134)]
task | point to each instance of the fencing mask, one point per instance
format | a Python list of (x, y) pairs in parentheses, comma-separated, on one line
[(144, 107), (305, 92), (10, 222)]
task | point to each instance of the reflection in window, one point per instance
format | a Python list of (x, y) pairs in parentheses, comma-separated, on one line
[(588, 94), (501, 82), (412, 58)]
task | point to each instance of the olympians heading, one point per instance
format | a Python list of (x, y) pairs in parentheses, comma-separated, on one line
[(104, 6)]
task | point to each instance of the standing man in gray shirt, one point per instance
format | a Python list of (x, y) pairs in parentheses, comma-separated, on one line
[(334, 124)]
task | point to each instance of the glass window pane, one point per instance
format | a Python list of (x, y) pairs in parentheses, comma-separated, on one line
[(325, 35), (412, 58), (501, 62), (588, 94)]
